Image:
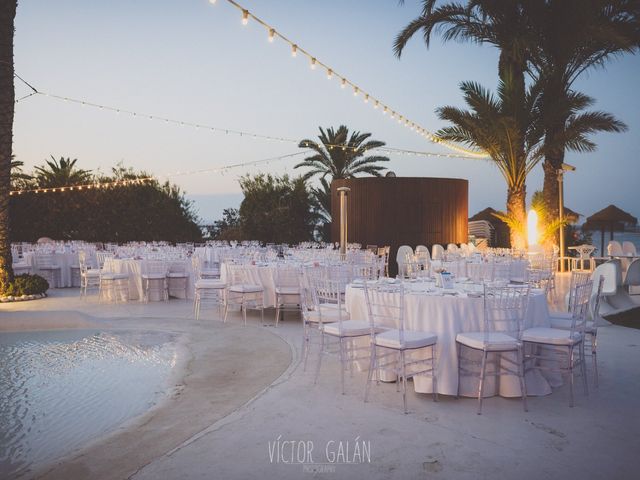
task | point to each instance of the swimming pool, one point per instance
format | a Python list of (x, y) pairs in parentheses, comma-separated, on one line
[(61, 389)]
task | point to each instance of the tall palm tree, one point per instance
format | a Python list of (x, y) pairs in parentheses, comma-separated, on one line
[(19, 179), (501, 23), (573, 37), (61, 173), (7, 103), (490, 125), (340, 155)]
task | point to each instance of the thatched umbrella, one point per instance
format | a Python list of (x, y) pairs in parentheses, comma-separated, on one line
[(610, 218)]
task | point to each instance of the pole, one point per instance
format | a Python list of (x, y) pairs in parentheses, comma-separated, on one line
[(343, 191), (561, 216)]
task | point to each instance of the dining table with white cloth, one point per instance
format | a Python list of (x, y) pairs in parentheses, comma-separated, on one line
[(447, 313), (480, 269), (135, 268), (65, 260)]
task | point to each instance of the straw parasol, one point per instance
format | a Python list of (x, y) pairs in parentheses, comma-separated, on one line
[(610, 218)]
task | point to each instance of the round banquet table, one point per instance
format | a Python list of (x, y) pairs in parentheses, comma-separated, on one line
[(135, 268), (65, 260), (447, 315)]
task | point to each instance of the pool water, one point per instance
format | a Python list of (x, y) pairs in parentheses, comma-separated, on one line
[(61, 389)]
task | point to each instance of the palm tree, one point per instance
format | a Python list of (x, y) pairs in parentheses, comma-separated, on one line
[(574, 36), (19, 179), (491, 126), (340, 155), (7, 103), (61, 173)]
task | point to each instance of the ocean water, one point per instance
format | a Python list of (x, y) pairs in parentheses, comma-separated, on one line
[(61, 389), (633, 237)]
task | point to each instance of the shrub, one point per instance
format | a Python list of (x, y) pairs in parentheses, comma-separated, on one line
[(26, 284)]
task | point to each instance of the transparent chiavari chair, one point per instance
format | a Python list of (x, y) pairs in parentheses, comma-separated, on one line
[(505, 309), (177, 277), (114, 286), (89, 277), (328, 294), (243, 293), (207, 291), (287, 283), (154, 280), (558, 350), (392, 345), (48, 268)]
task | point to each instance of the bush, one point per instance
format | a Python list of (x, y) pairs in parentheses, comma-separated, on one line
[(26, 284)]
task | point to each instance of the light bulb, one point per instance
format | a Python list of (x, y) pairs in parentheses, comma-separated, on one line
[(272, 34), (294, 50), (366, 98), (384, 111), (313, 63), (329, 74), (343, 83), (355, 91), (245, 17), (375, 105)]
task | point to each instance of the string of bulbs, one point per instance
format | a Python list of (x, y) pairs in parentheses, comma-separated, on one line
[(143, 180), (314, 63)]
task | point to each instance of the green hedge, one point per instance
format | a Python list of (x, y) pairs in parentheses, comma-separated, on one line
[(26, 284)]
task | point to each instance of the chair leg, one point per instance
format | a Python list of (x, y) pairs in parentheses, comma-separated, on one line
[(342, 362), (523, 386), (320, 353), (458, 352), (304, 352), (594, 358), (481, 383), (372, 362), (583, 368), (277, 310), (570, 361), (434, 375), (404, 381)]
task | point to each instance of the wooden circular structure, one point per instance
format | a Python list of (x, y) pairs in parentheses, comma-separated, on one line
[(398, 211)]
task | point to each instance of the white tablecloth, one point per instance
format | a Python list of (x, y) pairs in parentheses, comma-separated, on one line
[(482, 270), (447, 316), (135, 268), (63, 259)]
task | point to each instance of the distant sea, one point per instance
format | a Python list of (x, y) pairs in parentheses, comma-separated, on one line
[(633, 237), (210, 207)]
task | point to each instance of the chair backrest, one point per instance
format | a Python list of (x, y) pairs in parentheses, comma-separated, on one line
[(505, 309), (610, 272), (159, 267), (633, 274), (585, 251), (581, 296), (83, 261), (501, 271), (328, 292), (385, 306), (437, 252), (452, 248), (102, 256), (577, 278), (45, 260), (594, 302), (372, 249), (614, 248), (286, 276), (236, 274), (628, 248)]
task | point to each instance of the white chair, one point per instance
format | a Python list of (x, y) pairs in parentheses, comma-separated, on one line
[(242, 292), (154, 280), (437, 252), (394, 347), (505, 310), (564, 321), (452, 248), (178, 278), (614, 249), (632, 279), (403, 253), (561, 351), (383, 255), (287, 283), (89, 277), (114, 286), (328, 293), (49, 269), (628, 248)]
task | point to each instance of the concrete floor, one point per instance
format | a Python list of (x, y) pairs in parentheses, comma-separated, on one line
[(243, 393)]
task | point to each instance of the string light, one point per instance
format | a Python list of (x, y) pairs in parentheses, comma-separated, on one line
[(272, 34), (366, 98), (329, 74), (313, 64), (294, 48), (355, 91)]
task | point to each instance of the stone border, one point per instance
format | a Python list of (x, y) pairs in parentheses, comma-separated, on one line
[(23, 298)]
